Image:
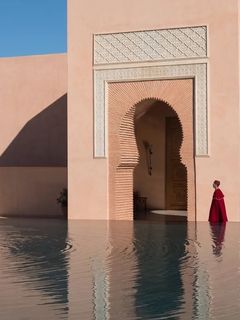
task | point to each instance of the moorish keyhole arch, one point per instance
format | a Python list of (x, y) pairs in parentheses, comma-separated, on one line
[(160, 176), (123, 156)]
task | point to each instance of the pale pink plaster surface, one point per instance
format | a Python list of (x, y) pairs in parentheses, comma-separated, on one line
[(88, 176), (28, 85)]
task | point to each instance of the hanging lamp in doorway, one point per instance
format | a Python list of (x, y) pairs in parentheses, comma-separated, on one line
[(149, 152)]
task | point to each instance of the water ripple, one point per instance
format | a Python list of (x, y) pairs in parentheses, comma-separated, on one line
[(98, 270)]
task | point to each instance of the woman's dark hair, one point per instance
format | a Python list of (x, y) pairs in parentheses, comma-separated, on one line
[(217, 183)]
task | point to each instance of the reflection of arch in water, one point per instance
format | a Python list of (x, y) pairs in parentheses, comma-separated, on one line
[(123, 154), (38, 251), (158, 124), (159, 250)]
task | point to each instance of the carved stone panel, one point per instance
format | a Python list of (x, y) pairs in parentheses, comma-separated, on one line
[(153, 45)]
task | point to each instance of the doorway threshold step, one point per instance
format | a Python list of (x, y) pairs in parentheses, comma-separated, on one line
[(180, 213)]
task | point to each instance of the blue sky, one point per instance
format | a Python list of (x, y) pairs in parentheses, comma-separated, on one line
[(29, 27)]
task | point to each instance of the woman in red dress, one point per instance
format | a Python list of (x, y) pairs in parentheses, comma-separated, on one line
[(217, 211)]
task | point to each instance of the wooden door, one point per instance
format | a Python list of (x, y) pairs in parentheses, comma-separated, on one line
[(176, 173)]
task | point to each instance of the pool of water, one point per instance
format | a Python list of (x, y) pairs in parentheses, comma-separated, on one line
[(51, 269)]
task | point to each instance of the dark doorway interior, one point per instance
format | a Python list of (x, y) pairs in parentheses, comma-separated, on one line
[(160, 179)]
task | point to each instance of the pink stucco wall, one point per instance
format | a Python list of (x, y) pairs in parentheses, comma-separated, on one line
[(88, 176), (33, 144)]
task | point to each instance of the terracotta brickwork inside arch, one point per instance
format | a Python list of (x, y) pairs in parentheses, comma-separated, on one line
[(123, 98)]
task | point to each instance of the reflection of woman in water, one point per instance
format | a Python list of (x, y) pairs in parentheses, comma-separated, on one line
[(217, 211), (218, 233)]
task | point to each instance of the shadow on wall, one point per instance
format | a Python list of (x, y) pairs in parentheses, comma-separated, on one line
[(33, 168), (42, 141)]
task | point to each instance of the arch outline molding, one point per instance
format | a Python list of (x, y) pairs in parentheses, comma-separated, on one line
[(196, 71)]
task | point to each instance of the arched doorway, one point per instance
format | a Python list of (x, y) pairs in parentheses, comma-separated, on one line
[(123, 155), (160, 177)]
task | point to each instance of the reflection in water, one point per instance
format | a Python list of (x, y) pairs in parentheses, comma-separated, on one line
[(160, 251), (124, 270), (118, 270), (218, 232), (218, 271), (34, 256)]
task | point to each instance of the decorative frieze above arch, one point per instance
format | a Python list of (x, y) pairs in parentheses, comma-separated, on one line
[(197, 71), (150, 45)]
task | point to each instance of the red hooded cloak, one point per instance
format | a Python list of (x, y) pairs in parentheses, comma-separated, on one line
[(217, 210)]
